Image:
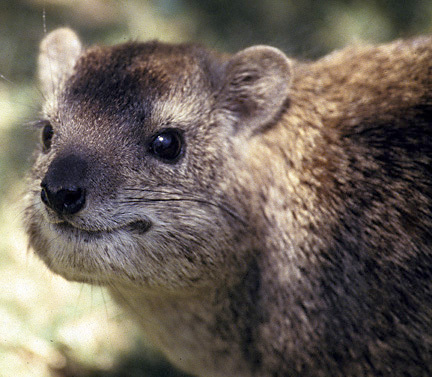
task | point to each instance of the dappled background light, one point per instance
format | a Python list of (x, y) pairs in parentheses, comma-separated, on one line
[(50, 327)]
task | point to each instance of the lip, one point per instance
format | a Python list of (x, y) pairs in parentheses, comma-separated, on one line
[(138, 227)]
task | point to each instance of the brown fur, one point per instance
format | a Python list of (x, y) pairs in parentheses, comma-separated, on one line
[(292, 235)]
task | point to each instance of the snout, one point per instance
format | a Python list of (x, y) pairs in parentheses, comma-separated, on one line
[(63, 189)]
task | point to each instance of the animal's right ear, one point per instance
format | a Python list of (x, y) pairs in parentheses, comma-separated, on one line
[(59, 51)]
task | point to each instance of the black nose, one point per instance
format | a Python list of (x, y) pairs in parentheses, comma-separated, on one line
[(63, 188), (65, 201)]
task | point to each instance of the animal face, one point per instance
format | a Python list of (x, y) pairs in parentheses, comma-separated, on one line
[(130, 181)]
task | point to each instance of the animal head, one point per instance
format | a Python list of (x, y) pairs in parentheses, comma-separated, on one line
[(142, 146)]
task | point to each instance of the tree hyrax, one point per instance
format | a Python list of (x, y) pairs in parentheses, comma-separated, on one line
[(259, 216)]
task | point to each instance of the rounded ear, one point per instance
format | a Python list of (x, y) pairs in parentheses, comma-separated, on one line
[(58, 53), (256, 86)]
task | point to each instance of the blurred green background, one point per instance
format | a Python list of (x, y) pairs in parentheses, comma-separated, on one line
[(49, 327)]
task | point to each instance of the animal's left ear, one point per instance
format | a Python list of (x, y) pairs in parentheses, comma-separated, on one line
[(255, 87)]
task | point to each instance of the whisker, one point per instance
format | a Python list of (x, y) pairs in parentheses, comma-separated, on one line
[(105, 301), (78, 301), (125, 301), (154, 191), (6, 79), (223, 207), (44, 20)]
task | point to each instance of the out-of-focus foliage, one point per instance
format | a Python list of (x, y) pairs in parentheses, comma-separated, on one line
[(49, 327)]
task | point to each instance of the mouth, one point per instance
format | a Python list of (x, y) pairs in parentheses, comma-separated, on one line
[(139, 227)]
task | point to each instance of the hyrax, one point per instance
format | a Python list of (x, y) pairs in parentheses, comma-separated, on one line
[(259, 216)]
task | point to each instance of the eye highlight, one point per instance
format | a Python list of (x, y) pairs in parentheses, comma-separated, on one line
[(167, 145), (47, 135)]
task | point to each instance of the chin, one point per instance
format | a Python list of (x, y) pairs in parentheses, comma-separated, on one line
[(101, 258)]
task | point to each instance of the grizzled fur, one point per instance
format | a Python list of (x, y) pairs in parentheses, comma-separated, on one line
[(291, 236)]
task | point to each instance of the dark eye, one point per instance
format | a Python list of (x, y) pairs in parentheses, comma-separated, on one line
[(167, 145), (47, 134)]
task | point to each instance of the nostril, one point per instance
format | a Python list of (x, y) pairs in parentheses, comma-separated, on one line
[(71, 197), (65, 201), (71, 200)]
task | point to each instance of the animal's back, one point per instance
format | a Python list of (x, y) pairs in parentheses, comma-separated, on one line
[(357, 264)]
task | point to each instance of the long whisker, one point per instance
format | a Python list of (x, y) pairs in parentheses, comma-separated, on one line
[(6, 79), (223, 207), (125, 301), (153, 191)]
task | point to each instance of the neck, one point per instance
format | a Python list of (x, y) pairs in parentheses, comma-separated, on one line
[(206, 330)]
